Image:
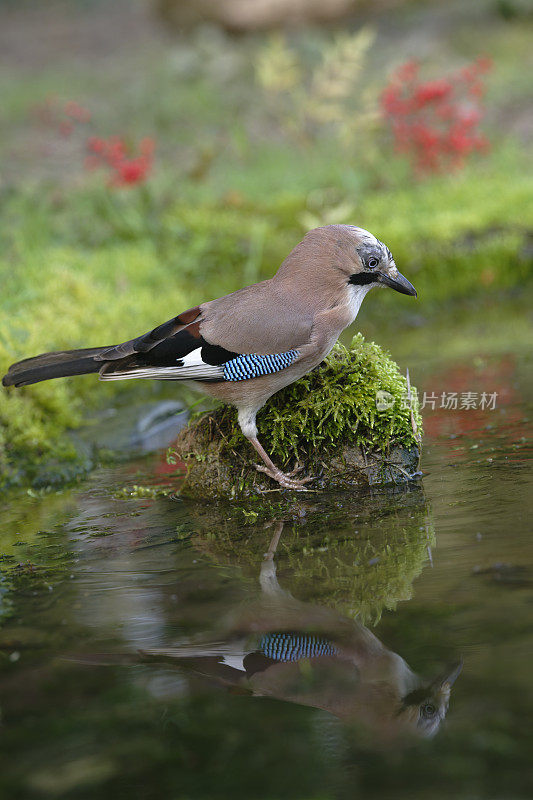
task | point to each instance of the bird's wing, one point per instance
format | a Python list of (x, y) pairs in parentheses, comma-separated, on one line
[(143, 344), (258, 319), (179, 350)]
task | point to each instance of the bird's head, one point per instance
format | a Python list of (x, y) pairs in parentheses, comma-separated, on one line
[(341, 263), (424, 708), (372, 263)]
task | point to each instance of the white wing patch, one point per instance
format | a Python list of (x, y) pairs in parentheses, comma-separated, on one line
[(192, 359)]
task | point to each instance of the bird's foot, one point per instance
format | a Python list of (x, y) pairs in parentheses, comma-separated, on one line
[(298, 468), (286, 480)]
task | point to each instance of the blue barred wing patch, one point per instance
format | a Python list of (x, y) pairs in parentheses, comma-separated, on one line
[(294, 646), (249, 366)]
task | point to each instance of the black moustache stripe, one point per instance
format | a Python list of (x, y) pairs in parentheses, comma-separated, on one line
[(362, 278)]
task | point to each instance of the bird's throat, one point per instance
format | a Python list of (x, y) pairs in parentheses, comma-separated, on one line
[(356, 296)]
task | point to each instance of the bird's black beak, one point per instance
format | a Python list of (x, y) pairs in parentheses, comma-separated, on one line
[(449, 675), (399, 283)]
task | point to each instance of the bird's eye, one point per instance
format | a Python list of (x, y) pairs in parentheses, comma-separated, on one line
[(428, 710), (372, 263)]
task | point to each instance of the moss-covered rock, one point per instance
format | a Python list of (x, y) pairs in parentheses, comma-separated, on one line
[(352, 421)]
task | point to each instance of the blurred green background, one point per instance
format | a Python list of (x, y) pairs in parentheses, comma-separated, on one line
[(266, 121)]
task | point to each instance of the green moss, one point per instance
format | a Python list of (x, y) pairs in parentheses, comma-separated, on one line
[(150, 492), (69, 298), (335, 404)]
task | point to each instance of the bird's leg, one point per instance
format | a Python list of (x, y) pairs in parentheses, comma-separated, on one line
[(273, 546), (247, 422), (267, 578), (287, 481)]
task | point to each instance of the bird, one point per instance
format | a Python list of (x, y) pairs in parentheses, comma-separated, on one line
[(303, 653), (245, 346), (300, 656)]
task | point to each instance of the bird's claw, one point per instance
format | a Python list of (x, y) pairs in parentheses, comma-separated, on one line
[(298, 468), (285, 480)]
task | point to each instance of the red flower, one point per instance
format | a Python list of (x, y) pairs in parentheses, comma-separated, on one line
[(131, 171), (431, 91), (126, 168), (434, 122)]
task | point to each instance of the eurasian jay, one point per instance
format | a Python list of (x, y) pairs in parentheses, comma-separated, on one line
[(245, 346)]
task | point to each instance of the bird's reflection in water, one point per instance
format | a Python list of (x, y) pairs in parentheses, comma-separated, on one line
[(282, 648)]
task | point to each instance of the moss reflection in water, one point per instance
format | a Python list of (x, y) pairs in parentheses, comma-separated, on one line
[(358, 554)]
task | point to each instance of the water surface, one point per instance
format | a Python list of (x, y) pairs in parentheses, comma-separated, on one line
[(154, 647)]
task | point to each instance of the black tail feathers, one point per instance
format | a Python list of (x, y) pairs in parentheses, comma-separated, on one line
[(53, 365)]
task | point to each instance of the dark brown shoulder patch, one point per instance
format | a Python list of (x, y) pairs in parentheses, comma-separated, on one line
[(194, 329), (188, 316)]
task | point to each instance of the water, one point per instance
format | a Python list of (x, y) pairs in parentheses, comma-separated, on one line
[(160, 648)]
